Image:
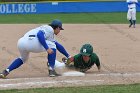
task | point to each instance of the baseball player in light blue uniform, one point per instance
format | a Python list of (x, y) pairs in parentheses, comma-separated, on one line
[(131, 14), (40, 39)]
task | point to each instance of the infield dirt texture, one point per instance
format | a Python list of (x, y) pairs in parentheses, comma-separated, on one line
[(117, 46)]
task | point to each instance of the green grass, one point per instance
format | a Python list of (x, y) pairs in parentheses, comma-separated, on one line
[(93, 18), (134, 88)]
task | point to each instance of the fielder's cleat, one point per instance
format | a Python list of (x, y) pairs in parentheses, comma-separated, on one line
[(134, 26), (4, 74), (52, 73)]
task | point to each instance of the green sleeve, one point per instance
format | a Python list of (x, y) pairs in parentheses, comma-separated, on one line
[(77, 60), (97, 61)]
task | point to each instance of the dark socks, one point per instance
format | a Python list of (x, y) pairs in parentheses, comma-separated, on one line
[(130, 23), (134, 22)]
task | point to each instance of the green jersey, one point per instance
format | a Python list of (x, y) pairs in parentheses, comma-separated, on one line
[(79, 62)]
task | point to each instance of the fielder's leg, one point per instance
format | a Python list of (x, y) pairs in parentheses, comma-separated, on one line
[(129, 17), (134, 17), (131, 23), (17, 62), (51, 64), (134, 22)]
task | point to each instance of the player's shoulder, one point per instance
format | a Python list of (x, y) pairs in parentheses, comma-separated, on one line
[(94, 55), (47, 28)]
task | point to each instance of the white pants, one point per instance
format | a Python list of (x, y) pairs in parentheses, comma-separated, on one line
[(131, 14), (31, 44)]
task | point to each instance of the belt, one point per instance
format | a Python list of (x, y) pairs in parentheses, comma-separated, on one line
[(31, 35), (131, 8)]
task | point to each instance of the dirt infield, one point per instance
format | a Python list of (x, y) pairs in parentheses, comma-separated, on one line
[(116, 45)]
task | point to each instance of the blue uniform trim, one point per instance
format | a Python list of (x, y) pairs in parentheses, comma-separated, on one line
[(16, 63), (41, 39), (61, 49), (52, 58)]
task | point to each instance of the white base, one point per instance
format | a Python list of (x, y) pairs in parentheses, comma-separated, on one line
[(60, 66), (73, 73)]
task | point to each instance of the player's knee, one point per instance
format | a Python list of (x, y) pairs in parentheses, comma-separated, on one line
[(23, 59)]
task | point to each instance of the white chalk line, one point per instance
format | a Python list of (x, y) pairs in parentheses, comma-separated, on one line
[(40, 83), (117, 74)]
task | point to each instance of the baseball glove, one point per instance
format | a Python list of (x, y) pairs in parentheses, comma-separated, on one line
[(67, 61)]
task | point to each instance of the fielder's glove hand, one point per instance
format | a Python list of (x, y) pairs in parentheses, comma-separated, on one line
[(67, 61), (64, 59)]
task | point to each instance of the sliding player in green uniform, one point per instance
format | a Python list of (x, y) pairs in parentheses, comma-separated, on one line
[(84, 60)]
